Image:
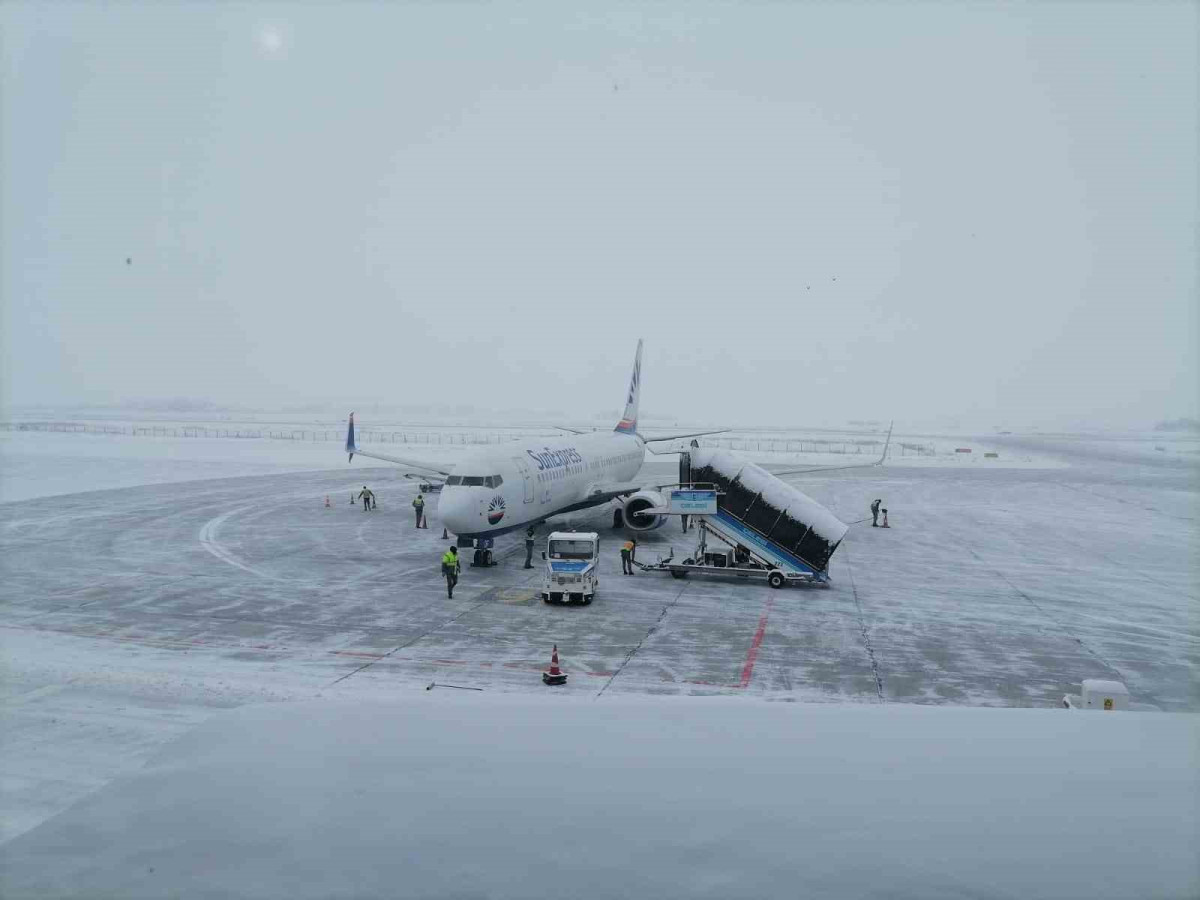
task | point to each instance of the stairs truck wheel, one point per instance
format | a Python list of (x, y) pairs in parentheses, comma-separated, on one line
[(776, 579), (677, 573), (587, 599)]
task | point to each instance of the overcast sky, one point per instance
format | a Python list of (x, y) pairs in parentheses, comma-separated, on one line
[(811, 212)]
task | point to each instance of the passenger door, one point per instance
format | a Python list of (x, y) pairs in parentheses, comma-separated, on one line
[(523, 468)]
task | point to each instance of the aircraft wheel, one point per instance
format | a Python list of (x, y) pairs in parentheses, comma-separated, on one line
[(776, 580)]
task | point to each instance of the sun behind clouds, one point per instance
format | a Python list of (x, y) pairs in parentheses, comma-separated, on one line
[(270, 40)]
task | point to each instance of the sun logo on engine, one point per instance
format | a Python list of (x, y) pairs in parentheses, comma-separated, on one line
[(495, 510)]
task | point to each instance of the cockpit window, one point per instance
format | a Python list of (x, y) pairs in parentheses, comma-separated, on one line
[(492, 481)]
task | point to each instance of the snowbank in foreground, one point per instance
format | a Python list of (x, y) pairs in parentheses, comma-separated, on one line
[(451, 794)]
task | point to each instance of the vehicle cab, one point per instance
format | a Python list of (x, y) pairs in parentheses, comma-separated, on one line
[(571, 559)]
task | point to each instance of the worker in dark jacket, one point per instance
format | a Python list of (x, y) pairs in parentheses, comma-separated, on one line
[(419, 505), (628, 549), (365, 496), (450, 569), (875, 513), (529, 549)]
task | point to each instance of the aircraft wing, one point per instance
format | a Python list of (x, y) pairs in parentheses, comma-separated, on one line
[(878, 462), (675, 437), (352, 448)]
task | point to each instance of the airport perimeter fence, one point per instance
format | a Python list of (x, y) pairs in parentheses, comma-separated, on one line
[(362, 436), (849, 448), (447, 438)]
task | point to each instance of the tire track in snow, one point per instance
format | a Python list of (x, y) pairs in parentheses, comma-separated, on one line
[(862, 627), (653, 628), (1046, 615), (208, 540), (488, 597)]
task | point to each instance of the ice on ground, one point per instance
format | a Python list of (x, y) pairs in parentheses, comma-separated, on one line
[(131, 615)]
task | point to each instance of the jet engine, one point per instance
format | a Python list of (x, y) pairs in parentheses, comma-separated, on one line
[(635, 511)]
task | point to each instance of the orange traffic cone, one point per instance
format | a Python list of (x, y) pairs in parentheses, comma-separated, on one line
[(351, 499), (445, 536), (327, 501), (885, 524), (555, 675)]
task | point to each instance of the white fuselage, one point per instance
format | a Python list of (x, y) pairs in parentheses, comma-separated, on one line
[(514, 485)]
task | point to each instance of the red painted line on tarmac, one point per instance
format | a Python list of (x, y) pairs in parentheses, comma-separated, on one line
[(355, 653), (752, 655)]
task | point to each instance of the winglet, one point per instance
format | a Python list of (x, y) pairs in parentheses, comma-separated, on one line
[(886, 444), (350, 445), (628, 423)]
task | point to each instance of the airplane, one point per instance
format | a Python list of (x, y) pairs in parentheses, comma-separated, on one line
[(521, 484)]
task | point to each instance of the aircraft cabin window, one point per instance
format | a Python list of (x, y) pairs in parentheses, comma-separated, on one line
[(494, 481), (453, 480), (472, 481)]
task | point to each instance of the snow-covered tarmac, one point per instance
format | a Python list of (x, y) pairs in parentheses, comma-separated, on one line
[(131, 615)]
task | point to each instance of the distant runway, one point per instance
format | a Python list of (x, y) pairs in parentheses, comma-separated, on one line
[(130, 615)]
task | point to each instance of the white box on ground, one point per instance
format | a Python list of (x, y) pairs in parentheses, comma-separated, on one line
[(1099, 694)]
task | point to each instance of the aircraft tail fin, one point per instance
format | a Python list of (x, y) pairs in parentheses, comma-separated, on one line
[(628, 423)]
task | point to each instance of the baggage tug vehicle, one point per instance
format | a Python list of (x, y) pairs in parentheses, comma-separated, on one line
[(571, 558)]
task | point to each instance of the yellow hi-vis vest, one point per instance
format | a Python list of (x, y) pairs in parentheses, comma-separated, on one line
[(449, 559), (627, 547)]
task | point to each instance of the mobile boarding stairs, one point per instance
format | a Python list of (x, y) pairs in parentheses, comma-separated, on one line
[(745, 554)]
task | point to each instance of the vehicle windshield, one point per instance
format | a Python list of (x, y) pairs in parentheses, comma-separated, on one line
[(571, 549)]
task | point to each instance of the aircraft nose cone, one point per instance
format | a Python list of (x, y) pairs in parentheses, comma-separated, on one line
[(453, 508)]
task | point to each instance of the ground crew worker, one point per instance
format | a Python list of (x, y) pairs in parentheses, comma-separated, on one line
[(450, 569), (628, 549), (419, 506), (365, 496), (529, 549), (875, 513)]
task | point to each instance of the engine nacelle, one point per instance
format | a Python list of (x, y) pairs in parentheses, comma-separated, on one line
[(636, 517)]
